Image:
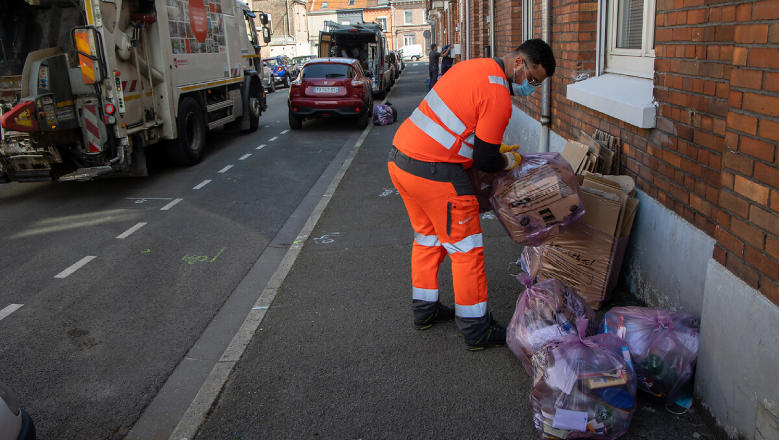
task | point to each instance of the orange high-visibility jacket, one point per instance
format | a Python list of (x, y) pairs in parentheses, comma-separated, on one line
[(473, 97)]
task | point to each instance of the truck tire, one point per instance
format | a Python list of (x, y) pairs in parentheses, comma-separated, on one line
[(255, 106), (188, 149)]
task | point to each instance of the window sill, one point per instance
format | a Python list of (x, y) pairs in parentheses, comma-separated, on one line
[(626, 98)]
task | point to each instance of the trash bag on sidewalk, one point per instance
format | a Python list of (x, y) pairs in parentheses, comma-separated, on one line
[(537, 199), (545, 312), (384, 114), (663, 346), (583, 387)]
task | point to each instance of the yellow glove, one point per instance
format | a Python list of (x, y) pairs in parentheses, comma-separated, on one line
[(507, 148), (512, 160)]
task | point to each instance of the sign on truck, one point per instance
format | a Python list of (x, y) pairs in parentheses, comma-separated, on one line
[(86, 86)]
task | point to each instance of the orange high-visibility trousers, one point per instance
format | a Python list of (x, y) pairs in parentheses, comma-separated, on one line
[(445, 221)]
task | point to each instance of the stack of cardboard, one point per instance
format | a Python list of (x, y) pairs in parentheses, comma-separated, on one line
[(589, 154), (588, 256)]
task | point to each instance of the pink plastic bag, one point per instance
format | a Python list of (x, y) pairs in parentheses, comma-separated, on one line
[(545, 312), (663, 346), (583, 388), (537, 199)]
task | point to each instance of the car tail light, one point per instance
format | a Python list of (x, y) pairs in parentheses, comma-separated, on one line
[(357, 109), (21, 117)]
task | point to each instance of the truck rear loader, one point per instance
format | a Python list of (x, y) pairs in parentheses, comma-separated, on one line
[(87, 85)]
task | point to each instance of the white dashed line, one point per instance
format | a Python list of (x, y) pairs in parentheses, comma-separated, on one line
[(128, 232), (273, 138), (285, 132), (8, 310), (202, 184), (225, 169), (170, 205), (245, 156), (75, 266), (261, 147)]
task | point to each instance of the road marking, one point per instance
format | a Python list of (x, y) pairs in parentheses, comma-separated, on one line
[(285, 132), (273, 138), (170, 205), (245, 156), (261, 147), (225, 169), (128, 232), (75, 266), (8, 310), (202, 184)]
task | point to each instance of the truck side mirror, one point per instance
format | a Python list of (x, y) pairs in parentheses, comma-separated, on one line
[(264, 19), (265, 34)]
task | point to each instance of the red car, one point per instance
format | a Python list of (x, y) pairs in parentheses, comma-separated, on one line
[(330, 88)]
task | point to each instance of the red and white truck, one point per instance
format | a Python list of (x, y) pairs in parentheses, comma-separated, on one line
[(87, 85)]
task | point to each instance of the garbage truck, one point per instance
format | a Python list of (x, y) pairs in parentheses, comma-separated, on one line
[(87, 85), (364, 42)]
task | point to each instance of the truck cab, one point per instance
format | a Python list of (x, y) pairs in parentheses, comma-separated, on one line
[(364, 42)]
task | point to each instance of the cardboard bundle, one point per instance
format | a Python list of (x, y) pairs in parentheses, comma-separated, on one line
[(588, 255), (588, 154)]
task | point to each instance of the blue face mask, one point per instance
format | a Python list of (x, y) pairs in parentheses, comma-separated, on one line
[(523, 89)]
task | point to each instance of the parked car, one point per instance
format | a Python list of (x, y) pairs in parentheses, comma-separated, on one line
[(283, 69), (412, 52), (15, 423), (268, 80), (300, 61), (392, 66), (399, 60), (330, 87)]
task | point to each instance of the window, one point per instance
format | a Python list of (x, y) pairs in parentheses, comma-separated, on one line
[(409, 17), (326, 70), (351, 2), (527, 19), (382, 21), (324, 5), (408, 39), (630, 38)]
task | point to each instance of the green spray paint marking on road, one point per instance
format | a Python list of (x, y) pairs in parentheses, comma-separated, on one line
[(192, 259), (146, 251)]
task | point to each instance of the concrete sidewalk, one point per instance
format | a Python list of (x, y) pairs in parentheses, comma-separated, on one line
[(337, 357)]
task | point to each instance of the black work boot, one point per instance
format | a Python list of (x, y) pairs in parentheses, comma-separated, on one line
[(481, 333), (428, 313)]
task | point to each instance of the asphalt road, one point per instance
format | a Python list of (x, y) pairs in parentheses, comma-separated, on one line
[(88, 351)]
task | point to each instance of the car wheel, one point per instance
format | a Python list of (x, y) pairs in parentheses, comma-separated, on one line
[(188, 148), (295, 122), (272, 85), (362, 120)]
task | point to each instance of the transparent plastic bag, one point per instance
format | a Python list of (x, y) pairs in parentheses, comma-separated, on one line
[(583, 387), (663, 346), (537, 199), (545, 312)]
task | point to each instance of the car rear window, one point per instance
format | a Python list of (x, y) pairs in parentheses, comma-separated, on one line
[(271, 62), (326, 71)]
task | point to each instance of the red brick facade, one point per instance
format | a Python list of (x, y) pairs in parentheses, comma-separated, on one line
[(712, 157)]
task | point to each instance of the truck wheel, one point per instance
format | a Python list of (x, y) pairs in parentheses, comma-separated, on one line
[(188, 148), (255, 107), (295, 122)]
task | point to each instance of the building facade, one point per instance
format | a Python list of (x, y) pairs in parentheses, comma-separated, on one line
[(289, 27), (692, 90), (410, 24)]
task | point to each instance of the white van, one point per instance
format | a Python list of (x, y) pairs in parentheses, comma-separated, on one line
[(412, 52)]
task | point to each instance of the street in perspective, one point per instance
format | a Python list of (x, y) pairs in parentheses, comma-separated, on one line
[(403, 219)]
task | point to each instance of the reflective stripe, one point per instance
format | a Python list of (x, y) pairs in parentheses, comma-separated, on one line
[(432, 129), (466, 244), (499, 80), (466, 151), (426, 240), (430, 295), (474, 311), (470, 139), (447, 116)]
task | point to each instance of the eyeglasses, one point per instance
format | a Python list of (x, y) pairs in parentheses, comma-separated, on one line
[(530, 80)]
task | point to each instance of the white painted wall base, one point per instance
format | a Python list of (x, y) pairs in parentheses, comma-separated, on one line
[(669, 265)]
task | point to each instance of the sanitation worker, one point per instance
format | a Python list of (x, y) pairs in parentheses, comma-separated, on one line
[(459, 124), (434, 59)]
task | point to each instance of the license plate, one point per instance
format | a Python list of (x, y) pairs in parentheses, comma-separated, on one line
[(325, 89)]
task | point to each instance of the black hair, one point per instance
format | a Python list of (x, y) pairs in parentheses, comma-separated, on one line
[(538, 52), (433, 46)]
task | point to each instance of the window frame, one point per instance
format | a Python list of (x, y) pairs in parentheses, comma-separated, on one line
[(406, 13), (324, 5), (413, 39), (527, 20), (382, 17), (631, 62)]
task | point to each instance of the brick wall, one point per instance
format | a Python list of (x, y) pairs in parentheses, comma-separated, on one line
[(370, 15), (712, 159)]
